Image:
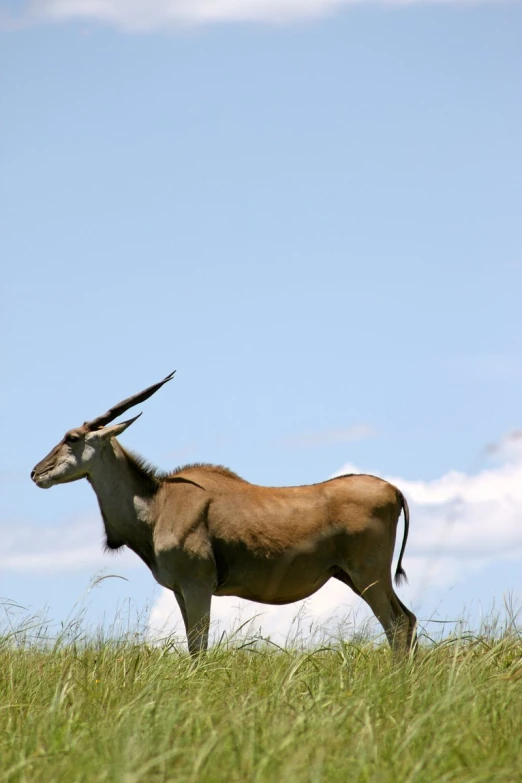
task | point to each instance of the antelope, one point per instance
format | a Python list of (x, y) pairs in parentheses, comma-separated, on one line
[(203, 531)]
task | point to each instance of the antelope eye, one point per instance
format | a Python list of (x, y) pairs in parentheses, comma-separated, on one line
[(71, 437)]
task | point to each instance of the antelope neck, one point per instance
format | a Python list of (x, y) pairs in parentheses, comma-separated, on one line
[(125, 502)]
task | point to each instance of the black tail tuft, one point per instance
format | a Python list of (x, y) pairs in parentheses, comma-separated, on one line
[(400, 573)]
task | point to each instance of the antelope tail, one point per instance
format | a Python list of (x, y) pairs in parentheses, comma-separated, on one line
[(400, 573)]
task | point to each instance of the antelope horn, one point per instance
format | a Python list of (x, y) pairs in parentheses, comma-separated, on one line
[(121, 407)]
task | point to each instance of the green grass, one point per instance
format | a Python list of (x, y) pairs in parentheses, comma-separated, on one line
[(109, 711)]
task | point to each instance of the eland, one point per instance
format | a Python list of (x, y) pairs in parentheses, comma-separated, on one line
[(203, 531)]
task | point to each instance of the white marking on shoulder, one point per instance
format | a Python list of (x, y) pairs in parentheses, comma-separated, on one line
[(141, 507)]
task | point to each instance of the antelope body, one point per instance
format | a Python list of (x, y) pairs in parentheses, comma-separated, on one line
[(203, 531)]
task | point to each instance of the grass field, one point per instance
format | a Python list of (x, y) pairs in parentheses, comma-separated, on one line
[(122, 711)]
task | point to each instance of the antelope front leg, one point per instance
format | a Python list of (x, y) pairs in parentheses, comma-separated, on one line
[(197, 599)]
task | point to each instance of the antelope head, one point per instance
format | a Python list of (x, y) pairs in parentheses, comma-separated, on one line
[(72, 458)]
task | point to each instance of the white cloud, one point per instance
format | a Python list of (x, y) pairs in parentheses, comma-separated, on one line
[(469, 516), (351, 434), (463, 523), (144, 15), (460, 525), (52, 550), (333, 605), (508, 448)]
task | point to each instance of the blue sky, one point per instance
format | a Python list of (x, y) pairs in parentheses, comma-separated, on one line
[(313, 215)]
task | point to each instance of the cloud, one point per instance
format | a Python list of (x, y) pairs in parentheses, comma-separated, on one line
[(461, 525), (508, 448), (147, 15), (52, 550), (333, 606), (468, 516), (328, 437)]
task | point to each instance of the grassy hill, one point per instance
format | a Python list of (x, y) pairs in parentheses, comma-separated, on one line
[(129, 712)]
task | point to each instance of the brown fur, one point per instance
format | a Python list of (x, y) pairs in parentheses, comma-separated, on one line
[(203, 531), (277, 545)]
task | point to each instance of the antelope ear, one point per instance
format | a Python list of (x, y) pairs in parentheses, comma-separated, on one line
[(111, 432)]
